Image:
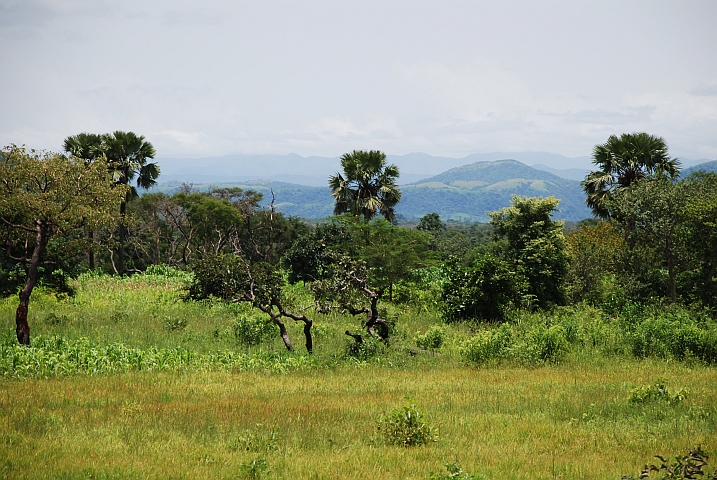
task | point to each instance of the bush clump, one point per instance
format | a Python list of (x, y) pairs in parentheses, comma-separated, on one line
[(250, 330), (406, 427), (657, 392), (433, 338), (488, 345)]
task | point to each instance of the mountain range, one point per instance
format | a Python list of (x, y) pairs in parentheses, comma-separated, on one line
[(463, 192)]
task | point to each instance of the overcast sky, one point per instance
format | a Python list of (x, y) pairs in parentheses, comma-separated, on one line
[(322, 78)]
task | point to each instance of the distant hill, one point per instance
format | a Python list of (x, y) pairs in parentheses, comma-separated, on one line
[(463, 193), (468, 192), (710, 166)]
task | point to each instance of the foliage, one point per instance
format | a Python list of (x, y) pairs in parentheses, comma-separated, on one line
[(593, 262), (689, 466), (485, 291), (543, 345), (433, 338), (535, 245), (251, 330), (454, 471), (621, 161), (406, 427), (255, 469), (367, 187), (657, 391), (220, 276), (431, 222), (673, 333), (488, 345), (57, 357), (126, 154)]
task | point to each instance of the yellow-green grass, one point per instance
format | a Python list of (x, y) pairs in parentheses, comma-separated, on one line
[(570, 421)]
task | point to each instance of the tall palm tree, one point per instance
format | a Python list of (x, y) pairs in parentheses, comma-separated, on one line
[(622, 161), (126, 154), (367, 187)]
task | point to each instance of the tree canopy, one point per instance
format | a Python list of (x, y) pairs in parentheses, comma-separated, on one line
[(621, 161), (368, 186), (45, 194)]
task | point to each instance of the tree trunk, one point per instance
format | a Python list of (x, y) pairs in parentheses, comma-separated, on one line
[(672, 279), (91, 253), (282, 331), (22, 328), (122, 235), (309, 339)]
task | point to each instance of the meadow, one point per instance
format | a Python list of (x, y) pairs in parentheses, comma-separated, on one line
[(125, 379)]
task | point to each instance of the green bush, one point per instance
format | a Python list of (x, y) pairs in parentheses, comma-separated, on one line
[(485, 291), (674, 333), (431, 340), (369, 348), (543, 345), (488, 345), (454, 471), (252, 330), (657, 392), (406, 427)]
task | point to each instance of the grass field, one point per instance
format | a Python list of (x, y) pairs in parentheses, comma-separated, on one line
[(292, 415)]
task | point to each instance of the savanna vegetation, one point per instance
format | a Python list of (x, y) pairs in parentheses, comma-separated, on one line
[(200, 335)]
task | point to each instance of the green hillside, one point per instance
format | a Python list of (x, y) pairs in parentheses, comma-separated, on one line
[(464, 193), (707, 167), (468, 192)]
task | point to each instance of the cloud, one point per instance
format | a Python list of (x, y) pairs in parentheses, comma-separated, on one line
[(705, 90)]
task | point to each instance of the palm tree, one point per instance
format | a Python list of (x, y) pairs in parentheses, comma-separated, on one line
[(367, 187), (126, 154), (622, 161)]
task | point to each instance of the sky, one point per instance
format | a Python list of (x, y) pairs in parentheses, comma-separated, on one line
[(448, 78)]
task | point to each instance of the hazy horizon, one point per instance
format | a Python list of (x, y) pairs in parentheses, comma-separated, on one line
[(321, 78)]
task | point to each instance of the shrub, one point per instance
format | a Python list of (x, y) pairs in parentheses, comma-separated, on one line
[(657, 392), (174, 324), (251, 330), (454, 471), (488, 345), (363, 351), (485, 291), (691, 465), (676, 334), (431, 340), (543, 345), (405, 427)]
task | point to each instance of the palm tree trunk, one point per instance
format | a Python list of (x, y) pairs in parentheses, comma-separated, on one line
[(122, 235)]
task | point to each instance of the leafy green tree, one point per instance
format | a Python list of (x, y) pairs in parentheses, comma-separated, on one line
[(45, 195), (700, 229), (534, 244), (368, 186), (593, 251), (431, 222), (486, 290), (391, 253), (654, 214), (621, 161)]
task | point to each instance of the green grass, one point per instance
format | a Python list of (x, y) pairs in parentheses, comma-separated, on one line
[(127, 380)]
